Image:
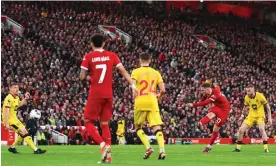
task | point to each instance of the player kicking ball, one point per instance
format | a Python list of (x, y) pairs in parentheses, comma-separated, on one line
[(255, 103), (146, 104), (11, 122), (100, 63), (219, 111)]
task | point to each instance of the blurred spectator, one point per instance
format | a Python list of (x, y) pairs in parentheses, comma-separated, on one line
[(78, 138), (41, 139), (48, 135)]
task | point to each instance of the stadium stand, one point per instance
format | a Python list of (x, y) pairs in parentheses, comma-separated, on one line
[(46, 62)]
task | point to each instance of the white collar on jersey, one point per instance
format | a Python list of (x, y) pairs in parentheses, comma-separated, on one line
[(99, 49)]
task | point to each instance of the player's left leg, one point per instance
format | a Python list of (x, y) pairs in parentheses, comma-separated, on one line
[(221, 116), (92, 113), (155, 122), (105, 116), (247, 123), (18, 140), (139, 121), (20, 129), (261, 126), (14, 123), (212, 140)]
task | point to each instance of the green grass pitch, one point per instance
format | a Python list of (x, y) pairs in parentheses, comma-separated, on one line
[(177, 155)]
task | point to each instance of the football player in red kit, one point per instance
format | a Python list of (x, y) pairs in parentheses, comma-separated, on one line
[(100, 64), (219, 111)]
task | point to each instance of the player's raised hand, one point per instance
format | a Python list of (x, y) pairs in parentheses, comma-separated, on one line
[(189, 105)]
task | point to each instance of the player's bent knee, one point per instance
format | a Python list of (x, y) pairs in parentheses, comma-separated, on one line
[(23, 133), (156, 128)]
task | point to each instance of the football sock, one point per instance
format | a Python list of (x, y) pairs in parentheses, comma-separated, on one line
[(160, 140), (213, 138), (122, 140), (143, 138), (93, 131), (239, 145), (205, 120), (106, 133), (108, 154), (265, 144), (30, 142), (18, 140), (102, 144)]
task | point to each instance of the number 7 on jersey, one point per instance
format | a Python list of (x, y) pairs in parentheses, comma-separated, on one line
[(103, 67)]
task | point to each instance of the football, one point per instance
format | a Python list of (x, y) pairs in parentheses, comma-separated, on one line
[(35, 114)]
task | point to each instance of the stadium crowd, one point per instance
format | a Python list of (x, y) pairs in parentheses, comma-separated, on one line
[(46, 62)]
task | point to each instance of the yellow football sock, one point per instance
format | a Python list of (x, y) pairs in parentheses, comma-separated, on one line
[(239, 145), (121, 140), (143, 138), (17, 141), (265, 144), (160, 140), (30, 142)]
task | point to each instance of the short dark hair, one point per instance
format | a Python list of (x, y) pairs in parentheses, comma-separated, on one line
[(206, 85), (97, 40), (14, 84), (250, 86), (145, 56)]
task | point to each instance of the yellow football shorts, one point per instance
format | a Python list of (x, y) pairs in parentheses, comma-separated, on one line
[(249, 120), (152, 117), (16, 125)]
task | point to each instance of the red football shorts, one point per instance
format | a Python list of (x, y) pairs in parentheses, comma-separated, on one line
[(98, 109), (221, 114)]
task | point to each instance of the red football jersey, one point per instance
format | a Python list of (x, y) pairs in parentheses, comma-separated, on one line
[(217, 98), (100, 63)]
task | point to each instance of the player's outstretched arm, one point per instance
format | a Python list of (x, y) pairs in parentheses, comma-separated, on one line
[(267, 107), (125, 74), (83, 74), (25, 99)]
